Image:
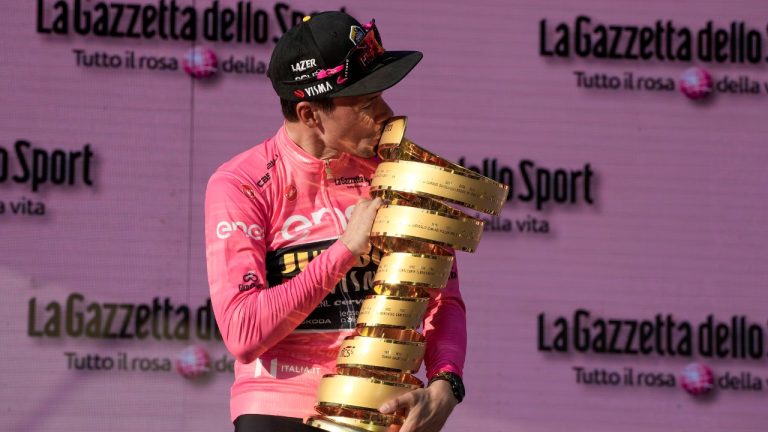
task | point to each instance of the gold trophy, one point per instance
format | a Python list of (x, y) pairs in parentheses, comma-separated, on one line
[(416, 230)]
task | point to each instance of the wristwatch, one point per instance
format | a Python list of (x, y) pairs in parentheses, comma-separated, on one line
[(457, 385)]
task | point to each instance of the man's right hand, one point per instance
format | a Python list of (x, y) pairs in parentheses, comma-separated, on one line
[(357, 235)]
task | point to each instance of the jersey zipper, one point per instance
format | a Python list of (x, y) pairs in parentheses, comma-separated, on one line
[(348, 321), (324, 188)]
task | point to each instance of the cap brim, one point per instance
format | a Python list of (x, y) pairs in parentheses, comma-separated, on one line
[(392, 67)]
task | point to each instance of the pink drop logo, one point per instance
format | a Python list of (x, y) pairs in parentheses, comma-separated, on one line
[(193, 362), (697, 379), (696, 83), (200, 62)]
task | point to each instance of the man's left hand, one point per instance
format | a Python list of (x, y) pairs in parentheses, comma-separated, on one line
[(428, 408)]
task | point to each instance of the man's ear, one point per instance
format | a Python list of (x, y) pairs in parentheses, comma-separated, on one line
[(307, 115)]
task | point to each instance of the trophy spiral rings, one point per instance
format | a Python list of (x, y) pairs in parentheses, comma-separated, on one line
[(417, 232)]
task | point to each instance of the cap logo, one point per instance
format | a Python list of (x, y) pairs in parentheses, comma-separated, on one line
[(303, 65), (299, 93), (318, 89), (356, 34)]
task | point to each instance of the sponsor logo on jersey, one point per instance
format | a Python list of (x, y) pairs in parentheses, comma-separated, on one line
[(248, 191), (291, 193), (339, 309), (251, 280), (352, 181), (225, 230), (298, 227)]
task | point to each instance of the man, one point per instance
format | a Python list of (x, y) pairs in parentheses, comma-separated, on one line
[(287, 234)]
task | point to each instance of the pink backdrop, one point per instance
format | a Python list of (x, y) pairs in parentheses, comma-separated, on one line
[(675, 226)]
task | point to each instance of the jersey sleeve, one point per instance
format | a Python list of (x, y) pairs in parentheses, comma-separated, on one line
[(445, 328), (252, 316)]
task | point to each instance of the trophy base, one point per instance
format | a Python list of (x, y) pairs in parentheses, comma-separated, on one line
[(359, 419), (343, 424)]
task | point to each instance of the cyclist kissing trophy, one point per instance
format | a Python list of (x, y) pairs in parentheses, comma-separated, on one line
[(417, 232)]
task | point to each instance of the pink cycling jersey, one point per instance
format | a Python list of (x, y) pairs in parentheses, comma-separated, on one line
[(285, 290)]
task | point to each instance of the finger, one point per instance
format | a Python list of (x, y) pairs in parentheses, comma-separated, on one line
[(368, 209), (407, 426), (405, 401), (371, 204), (412, 422)]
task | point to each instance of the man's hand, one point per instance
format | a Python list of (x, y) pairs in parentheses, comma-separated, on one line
[(428, 408), (356, 236)]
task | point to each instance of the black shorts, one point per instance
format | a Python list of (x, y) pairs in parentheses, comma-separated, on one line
[(270, 423)]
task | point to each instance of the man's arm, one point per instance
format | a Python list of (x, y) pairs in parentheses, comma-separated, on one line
[(251, 316), (446, 331), (445, 328)]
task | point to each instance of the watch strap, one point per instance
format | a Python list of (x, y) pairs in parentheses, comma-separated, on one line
[(457, 384)]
